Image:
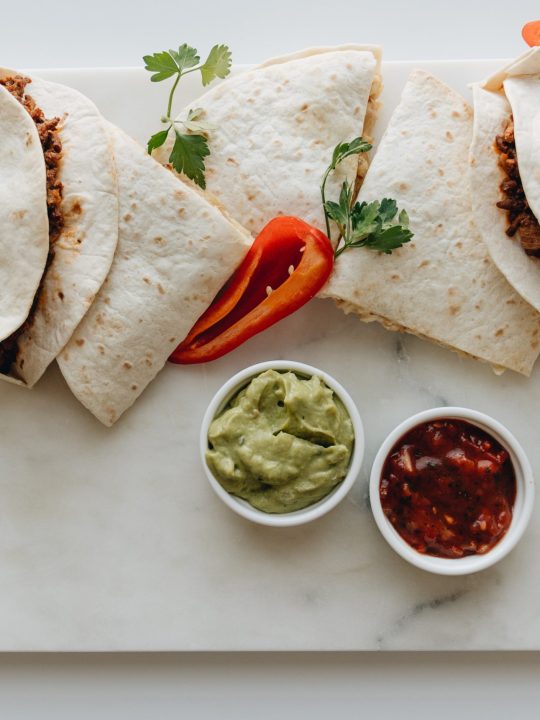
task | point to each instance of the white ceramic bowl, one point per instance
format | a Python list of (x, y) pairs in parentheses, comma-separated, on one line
[(298, 517), (522, 507)]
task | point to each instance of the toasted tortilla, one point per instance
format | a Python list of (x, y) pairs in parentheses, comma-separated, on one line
[(274, 129), (491, 114), (24, 226), (442, 285), (84, 251), (175, 251), (513, 91)]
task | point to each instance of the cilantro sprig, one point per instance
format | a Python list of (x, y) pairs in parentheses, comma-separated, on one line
[(190, 143), (377, 225)]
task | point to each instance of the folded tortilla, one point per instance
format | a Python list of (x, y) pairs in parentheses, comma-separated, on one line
[(442, 285), (24, 227), (274, 128), (175, 251), (82, 254), (514, 92)]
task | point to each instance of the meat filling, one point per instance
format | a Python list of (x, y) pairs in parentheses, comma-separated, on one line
[(48, 131), (521, 219)]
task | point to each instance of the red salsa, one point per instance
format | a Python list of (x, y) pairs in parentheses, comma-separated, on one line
[(448, 488)]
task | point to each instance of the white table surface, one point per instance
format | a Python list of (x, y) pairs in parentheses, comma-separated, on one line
[(222, 685)]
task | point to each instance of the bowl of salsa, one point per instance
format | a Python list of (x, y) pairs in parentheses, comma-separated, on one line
[(451, 490)]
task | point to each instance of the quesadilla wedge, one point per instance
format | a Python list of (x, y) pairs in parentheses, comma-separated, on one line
[(80, 197), (272, 131), (24, 227), (505, 175), (442, 285), (175, 251)]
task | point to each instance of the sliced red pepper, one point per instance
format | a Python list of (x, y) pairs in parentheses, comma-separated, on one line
[(531, 33), (286, 266)]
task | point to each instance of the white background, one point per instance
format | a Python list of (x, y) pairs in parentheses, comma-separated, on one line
[(104, 33)]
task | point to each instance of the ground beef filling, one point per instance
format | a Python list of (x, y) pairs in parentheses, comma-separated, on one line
[(521, 219), (51, 144)]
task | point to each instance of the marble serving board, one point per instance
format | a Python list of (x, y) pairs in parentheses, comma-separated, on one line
[(111, 539)]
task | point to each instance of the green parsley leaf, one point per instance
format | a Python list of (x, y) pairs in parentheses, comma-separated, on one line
[(162, 64), (186, 57), (388, 239), (188, 155), (373, 225), (193, 123), (217, 64), (157, 140), (346, 149)]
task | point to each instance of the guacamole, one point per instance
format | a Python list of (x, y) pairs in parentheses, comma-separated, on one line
[(283, 442)]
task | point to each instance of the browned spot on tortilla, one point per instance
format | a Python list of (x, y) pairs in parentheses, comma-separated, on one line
[(147, 280), (455, 114), (148, 362), (231, 161), (486, 261), (65, 356), (534, 344), (451, 291), (348, 66), (478, 306), (107, 300), (127, 365), (459, 244), (424, 263), (333, 76), (511, 302), (29, 139), (394, 276), (299, 119), (440, 171), (134, 387), (449, 135), (127, 217), (473, 162), (160, 288), (454, 309), (79, 342), (179, 195), (140, 320), (403, 186), (101, 349), (76, 208), (60, 295), (112, 415), (19, 214), (251, 196), (181, 212), (304, 107), (158, 240), (172, 339), (133, 205), (99, 319), (433, 114), (499, 332)]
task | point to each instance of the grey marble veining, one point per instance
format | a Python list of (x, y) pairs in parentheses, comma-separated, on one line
[(112, 539)]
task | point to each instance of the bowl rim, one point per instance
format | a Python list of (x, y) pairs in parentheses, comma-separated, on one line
[(522, 509), (327, 503)]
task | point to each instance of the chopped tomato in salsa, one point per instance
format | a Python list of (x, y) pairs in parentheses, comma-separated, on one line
[(448, 488)]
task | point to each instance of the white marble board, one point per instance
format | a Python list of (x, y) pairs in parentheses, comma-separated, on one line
[(111, 539)]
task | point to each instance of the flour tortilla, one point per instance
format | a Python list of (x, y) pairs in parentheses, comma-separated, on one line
[(491, 114), (275, 128), (174, 253), (84, 251), (442, 285), (513, 91), (24, 226)]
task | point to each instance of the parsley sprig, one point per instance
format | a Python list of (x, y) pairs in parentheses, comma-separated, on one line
[(191, 147), (377, 225)]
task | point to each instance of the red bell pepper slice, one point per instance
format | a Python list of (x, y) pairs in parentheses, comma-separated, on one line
[(286, 266)]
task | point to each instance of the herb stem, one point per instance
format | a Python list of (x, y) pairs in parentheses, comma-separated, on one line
[(171, 94), (323, 197)]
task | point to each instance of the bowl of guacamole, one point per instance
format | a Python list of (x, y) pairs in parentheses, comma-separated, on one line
[(282, 443)]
